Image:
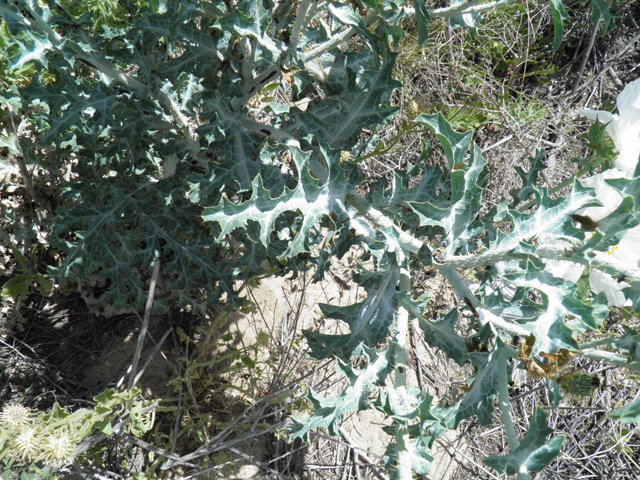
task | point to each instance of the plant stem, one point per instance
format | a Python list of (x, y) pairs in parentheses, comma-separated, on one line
[(463, 8), (402, 327), (303, 10), (388, 146), (487, 317), (604, 356), (505, 406)]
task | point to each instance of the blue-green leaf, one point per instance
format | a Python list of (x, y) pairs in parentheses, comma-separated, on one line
[(609, 15), (534, 452), (422, 18), (328, 411), (478, 399), (440, 333), (559, 14), (628, 413), (308, 199), (455, 144), (369, 321)]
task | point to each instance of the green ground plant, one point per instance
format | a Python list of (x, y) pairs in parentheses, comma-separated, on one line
[(38, 445), (220, 140)]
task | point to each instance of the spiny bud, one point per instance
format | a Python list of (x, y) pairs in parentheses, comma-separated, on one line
[(578, 384), (345, 156), (58, 448), (415, 108), (26, 445), (14, 417)]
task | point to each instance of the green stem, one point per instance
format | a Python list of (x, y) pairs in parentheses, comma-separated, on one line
[(505, 406), (300, 23), (402, 327), (382, 151), (604, 356)]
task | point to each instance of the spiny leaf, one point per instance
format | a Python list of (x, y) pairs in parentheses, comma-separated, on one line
[(312, 201), (534, 452), (609, 15), (119, 230), (369, 321), (253, 21), (478, 399), (558, 301), (328, 411), (455, 144), (467, 186), (441, 333), (390, 196), (529, 179), (628, 413), (338, 120)]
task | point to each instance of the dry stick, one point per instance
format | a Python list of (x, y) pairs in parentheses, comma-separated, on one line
[(347, 468), (147, 446), (176, 426), (145, 324), (461, 454), (357, 451), (155, 350), (587, 53), (635, 38)]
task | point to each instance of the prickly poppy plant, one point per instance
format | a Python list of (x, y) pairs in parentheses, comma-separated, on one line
[(222, 140)]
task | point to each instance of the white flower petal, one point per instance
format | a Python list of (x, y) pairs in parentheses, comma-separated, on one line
[(627, 159), (603, 282), (629, 100), (602, 116), (628, 250), (628, 142), (569, 271), (508, 290), (608, 196)]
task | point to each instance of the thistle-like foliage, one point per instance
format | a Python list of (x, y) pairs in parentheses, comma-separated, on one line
[(221, 139)]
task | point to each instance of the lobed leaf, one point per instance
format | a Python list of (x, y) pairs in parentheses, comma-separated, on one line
[(534, 452), (369, 321), (328, 411)]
